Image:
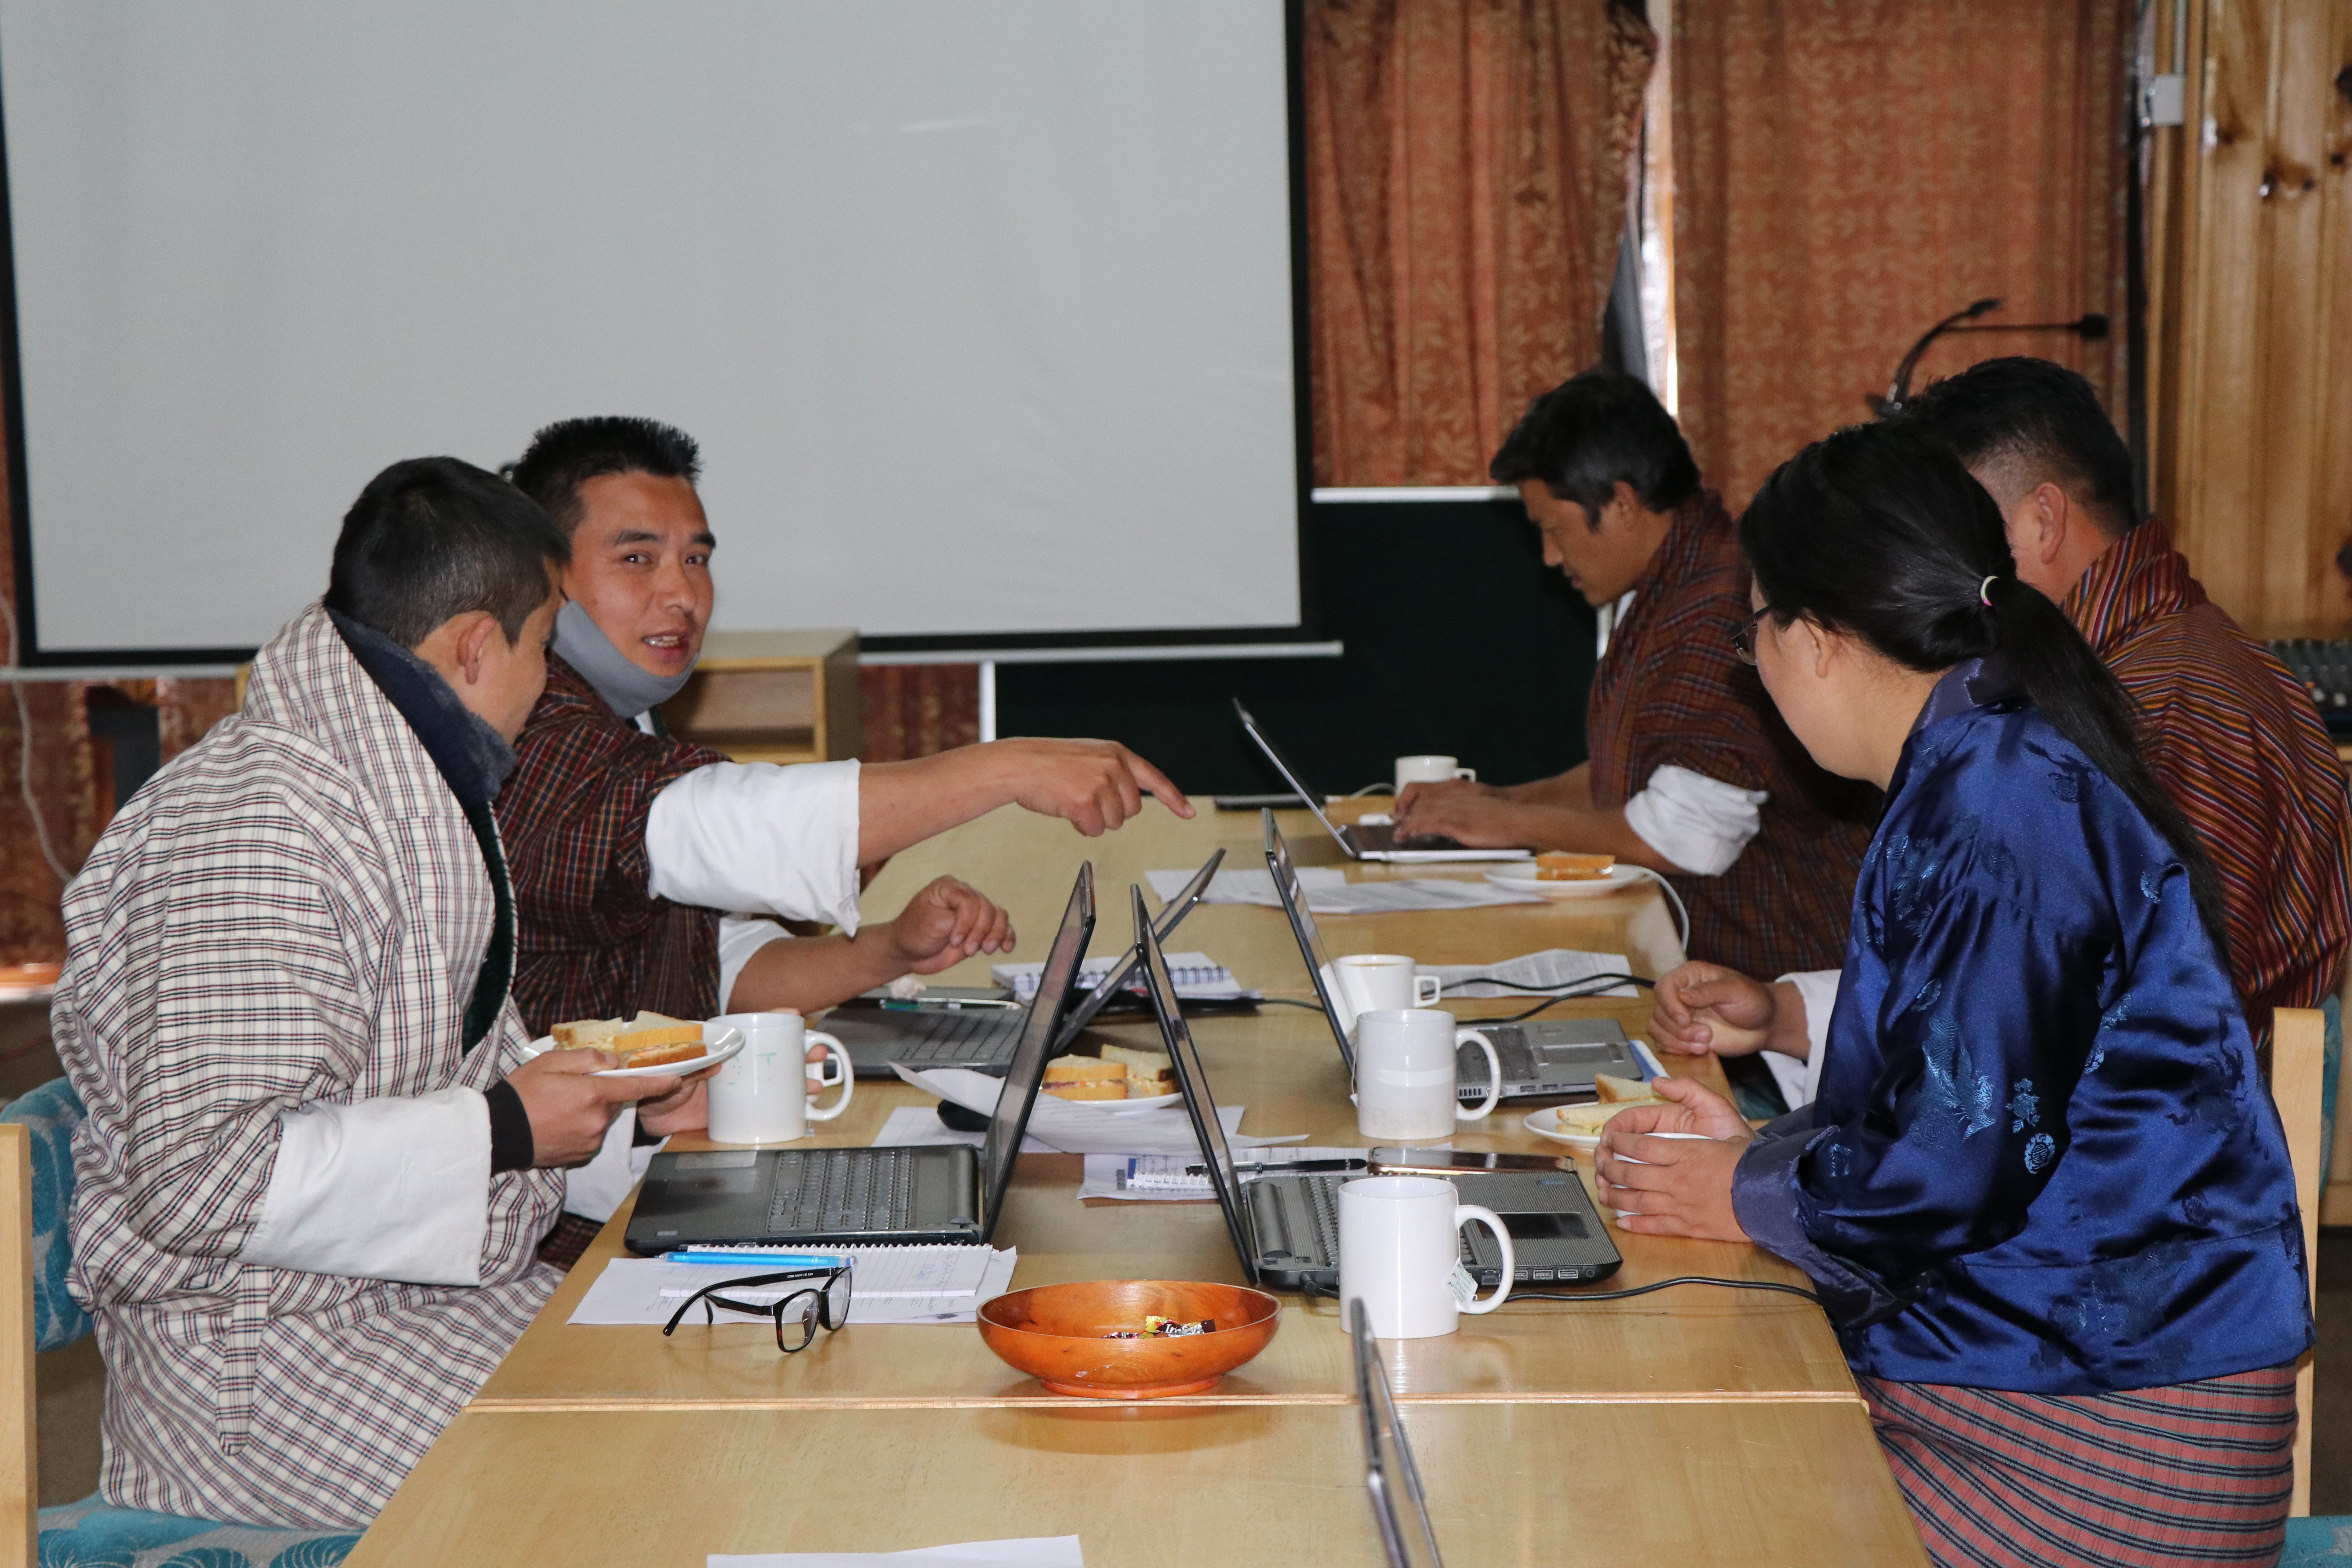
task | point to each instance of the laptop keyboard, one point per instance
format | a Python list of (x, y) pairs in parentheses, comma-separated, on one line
[(842, 1190), (950, 1037)]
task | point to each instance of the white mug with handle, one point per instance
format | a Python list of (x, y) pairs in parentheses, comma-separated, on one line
[(1367, 981), (762, 1095), (1430, 770), (1400, 1254), (1405, 1074)]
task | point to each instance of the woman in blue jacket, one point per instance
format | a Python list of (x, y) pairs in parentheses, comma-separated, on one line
[(2043, 1192)]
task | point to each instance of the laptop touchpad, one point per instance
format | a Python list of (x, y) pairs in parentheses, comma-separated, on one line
[(1546, 1226)]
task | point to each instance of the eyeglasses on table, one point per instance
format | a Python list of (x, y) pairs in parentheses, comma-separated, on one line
[(798, 1314)]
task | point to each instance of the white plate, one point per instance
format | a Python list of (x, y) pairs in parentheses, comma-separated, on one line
[(1520, 877), (1544, 1124), (728, 1044), (1116, 1106)]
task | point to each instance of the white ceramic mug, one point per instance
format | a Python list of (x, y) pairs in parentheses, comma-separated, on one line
[(1367, 981), (1405, 1074), (762, 1095), (1430, 770), (1399, 1247)]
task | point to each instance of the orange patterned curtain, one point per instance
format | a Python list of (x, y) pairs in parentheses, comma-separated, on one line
[(1466, 167), (1847, 172), (918, 710)]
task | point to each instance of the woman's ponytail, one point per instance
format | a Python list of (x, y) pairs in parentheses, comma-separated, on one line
[(1880, 531)]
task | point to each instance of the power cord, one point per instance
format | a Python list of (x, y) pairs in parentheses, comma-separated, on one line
[(1311, 1289), (1593, 987)]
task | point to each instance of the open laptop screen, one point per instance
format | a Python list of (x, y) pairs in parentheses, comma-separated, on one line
[(1293, 894), (1399, 1509), (1290, 774), (1193, 1079), (1172, 915), (1038, 1033)]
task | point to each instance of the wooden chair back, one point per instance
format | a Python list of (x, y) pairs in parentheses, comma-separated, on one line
[(2298, 1067), (20, 1487)]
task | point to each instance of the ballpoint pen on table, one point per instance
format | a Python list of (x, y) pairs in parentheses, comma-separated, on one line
[(1290, 1166)]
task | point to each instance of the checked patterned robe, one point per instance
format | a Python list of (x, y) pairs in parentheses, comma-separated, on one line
[(295, 910)]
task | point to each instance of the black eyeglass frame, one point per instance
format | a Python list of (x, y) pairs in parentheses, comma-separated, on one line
[(778, 1309), (1743, 641)]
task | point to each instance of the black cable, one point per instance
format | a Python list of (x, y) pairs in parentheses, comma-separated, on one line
[(1814, 1296), (1289, 1002), (1599, 984), (1310, 1289)]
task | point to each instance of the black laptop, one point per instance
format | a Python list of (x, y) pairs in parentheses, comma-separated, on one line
[(880, 1196), (1550, 1056), (977, 1034), (1367, 840), (1285, 1225), (1399, 1511)]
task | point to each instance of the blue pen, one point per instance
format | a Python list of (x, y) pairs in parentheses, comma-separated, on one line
[(734, 1259)]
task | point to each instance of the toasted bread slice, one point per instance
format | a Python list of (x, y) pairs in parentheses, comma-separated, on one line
[(1097, 1089), (586, 1035), (1586, 1119), (1562, 866), (1615, 1091)]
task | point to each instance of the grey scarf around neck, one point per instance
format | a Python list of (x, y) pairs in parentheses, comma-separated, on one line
[(629, 687)]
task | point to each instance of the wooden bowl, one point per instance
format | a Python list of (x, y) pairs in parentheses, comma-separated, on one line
[(1055, 1334)]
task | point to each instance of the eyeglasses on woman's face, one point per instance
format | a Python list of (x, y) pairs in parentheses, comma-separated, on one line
[(1743, 641), (798, 1314)]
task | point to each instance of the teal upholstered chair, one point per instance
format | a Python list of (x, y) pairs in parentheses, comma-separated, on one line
[(90, 1533)]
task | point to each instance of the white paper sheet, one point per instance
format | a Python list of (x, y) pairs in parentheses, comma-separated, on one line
[(1329, 892), (1106, 1174), (919, 1124), (1554, 969), (1042, 1552), (644, 1290), (1081, 1128), (1245, 887)]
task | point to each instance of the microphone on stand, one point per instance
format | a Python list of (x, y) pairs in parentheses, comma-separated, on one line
[(2090, 327)]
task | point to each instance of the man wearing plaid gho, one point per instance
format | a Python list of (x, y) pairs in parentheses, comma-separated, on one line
[(651, 873), (1691, 771), (316, 1162)]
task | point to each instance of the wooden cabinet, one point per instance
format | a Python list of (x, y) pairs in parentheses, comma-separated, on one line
[(773, 697)]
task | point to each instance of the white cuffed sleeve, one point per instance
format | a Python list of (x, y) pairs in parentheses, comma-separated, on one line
[(382, 1189), (740, 936), (1698, 823), (593, 1191), (759, 838), (1800, 1081)]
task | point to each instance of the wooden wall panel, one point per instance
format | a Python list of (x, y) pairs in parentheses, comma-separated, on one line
[(2251, 258)]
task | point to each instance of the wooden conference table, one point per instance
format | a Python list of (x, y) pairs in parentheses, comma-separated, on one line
[(1712, 1423)]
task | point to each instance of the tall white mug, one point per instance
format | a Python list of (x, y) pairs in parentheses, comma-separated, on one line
[(1399, 1246), (1367, 981), (1430, 770), (1405, 1075), (762, 1095)]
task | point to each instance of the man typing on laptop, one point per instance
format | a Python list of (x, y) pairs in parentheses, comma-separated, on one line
[(1691, 773)]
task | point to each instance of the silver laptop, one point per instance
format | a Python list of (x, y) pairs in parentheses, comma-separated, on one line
[(981, 1034), (1285, 1225), (1367, 840), (1399, 1510), (884, 1195), (1541, 1058)]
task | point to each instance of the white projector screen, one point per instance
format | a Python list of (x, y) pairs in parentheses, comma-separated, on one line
[(981, 311)]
